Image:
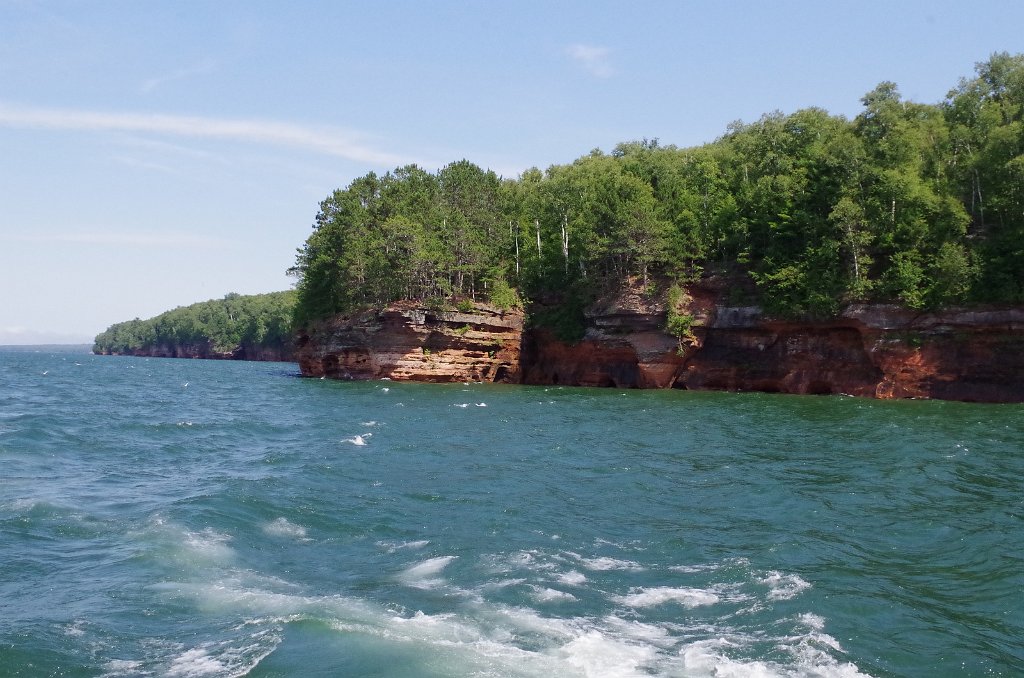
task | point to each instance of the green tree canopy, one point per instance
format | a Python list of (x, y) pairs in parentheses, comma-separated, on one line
[(919, 204)]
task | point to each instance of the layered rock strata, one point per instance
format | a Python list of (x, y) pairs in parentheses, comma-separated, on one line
[(205, 350), (416, 344), (873, 351)]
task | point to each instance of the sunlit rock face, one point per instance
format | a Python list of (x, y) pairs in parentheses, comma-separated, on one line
[(875, 351), (412, 343)]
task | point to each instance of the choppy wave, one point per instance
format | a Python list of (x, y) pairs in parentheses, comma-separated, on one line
[(601, 534)]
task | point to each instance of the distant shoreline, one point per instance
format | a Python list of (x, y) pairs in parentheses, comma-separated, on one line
[(40, 348)]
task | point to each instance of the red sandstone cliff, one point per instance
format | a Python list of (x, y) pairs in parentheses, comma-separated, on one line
[(412, 343), (204, 350), (872, 351)]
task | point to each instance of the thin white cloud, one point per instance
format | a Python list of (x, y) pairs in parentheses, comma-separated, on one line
[(592, 58), (324, 140), (145, 165), (165, 148), (179, 74)]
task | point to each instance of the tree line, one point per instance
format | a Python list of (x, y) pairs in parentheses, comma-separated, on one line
[(228, 324), (910, 203)]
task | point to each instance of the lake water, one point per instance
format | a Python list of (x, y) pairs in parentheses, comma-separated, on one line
[(196, 518)]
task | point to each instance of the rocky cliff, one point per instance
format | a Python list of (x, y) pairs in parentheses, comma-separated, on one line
[(872, 351), (481, 343), (204, 350)]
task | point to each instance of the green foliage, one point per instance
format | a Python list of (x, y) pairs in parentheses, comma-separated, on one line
[(564, 315), (679, 325), (226, 325), (913, 203), (504, 296)]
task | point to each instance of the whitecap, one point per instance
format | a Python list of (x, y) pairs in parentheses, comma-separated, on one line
[(659, 595), (368, 423), (195, 662), (122, 667), (600, 656), (605, 563), (715, 656), (424, 574), (209, 545), (547, 595), (462, 405), (501, 584), (282, 527), (634, 630), (572, 578), (481, 404), (812, 621), (403, 545), (707, 657), (359, 440), (783, 586), (75, 629)]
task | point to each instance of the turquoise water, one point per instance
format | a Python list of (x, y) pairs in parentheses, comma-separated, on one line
[(192, 518)]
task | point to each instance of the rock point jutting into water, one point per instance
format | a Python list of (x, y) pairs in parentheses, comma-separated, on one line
[(875, 351), (409, 342)]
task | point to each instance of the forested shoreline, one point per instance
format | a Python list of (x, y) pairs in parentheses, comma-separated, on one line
[(242, 324), (916, 204)]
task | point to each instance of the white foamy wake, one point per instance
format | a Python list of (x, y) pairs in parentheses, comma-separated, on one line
[(811, 653), (196, 662), (659, 595), (209, 545), (604, 563), (478, 637), (392, 547), (783, 586), (425, 574), (224, 659), (545, 633), (572, 578), (543, 594)]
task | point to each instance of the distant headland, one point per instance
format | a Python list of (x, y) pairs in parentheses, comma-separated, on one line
[(808, 253)]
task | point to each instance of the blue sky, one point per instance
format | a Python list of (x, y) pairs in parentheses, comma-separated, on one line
[(156, 154)]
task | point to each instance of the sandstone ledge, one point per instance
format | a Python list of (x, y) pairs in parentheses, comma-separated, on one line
[(412, 343), (874, 351)]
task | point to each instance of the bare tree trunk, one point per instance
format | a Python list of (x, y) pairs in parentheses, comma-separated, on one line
[(856, 254), (981, 203), (565, 241), (516, 233), (536, 224)]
